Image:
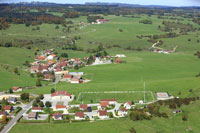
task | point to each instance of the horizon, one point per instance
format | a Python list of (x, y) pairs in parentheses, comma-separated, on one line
[(177, 3)]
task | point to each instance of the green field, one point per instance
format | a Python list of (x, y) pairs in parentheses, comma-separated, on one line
[(123, 96), (172, 73)]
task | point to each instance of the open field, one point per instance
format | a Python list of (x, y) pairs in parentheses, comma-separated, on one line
[(123, 96)]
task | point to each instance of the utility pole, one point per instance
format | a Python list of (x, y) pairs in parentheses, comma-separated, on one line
[(144, 92)]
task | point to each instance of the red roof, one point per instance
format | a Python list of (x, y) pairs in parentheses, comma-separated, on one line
[(104, 103), (60, 106), (103, 112), (15, 88), (36, 108), (67, 76), (57, 115), (48, 76), (79, 114), (8, 107), (124, 109), (129, 103), (58, 93), (40, 57), (109, 100), (83, 106)]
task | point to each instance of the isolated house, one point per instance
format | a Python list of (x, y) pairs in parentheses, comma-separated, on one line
[(123, 112), (127, 105), (83, 107), (57, 116), (37, 109), (79, 116), (75, 80), (61, 95), (163, 96), (102, 114), (12, 100), (8, 108), (32, 115), (16, 89)]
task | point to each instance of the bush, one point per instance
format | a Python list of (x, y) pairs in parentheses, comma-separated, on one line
[(185, 118)]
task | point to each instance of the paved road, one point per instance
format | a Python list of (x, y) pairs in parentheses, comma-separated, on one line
[(16, 118)]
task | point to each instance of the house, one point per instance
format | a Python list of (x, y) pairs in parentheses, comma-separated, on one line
[(83, 107), (36, 69), (60, 107), (79, 116), (49, 77), (75, 80), (12, 100), (51, 57), (40, 58), (57, 116), (110, 101), (61, 95), (32, 115), (104, 104), (16, 89), (120, 55), (37, 109), (8, 108), (123, 112), (127, 105), (101, 21), (102, 114), (118, 60), (163, 96), (76, 73), (51, 63), (2, 113), (67, 77)]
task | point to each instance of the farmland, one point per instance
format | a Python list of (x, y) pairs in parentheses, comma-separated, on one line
[(174, 73)]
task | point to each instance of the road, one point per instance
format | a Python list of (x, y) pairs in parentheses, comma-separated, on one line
[(16, 118)]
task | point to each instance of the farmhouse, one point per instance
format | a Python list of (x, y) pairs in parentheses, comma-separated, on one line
[(163, 96), (110, 101), (102, 114), (122, 112), (61, 95), (79, 116), (12, 100), (83, 107), (32, 115), (127, 105), (8, 108), (37, 109), (16, 89), (75, 80), (57, 116)]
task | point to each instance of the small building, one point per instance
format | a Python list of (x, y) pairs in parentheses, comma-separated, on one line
[(123, 112), (61, 95), (8, 108), (163, 96), (2, 113), (127, 105), (102, 114), (12, 100), (83, 107), (79, 116), (110, 101), (75, 80), (16, 89), (104, 104), (60, 107), (67, 77), (37, 109), (57, 116), (120, 55), (32, 115), (40, 58)]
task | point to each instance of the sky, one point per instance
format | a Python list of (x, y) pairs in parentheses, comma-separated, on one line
[(141, 2)]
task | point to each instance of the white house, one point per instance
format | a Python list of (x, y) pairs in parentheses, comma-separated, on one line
[(127, 105), (79, 116), (61, 95), (16, 89), (120, 55), (102, 114), (163, 96), (51, 57), (123, 112)]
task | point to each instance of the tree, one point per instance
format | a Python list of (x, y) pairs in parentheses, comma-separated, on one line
[(184, 118), (41, 96), (38, 83), (132, 130), (34, 104), (41, 104), (57, 27), (37, 99), (120, 30), (4, 119), (64, 55), (10, 91), (53, 90), (38, 28), (24, 96), (16, 70), (48, 104), (76, 67)]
